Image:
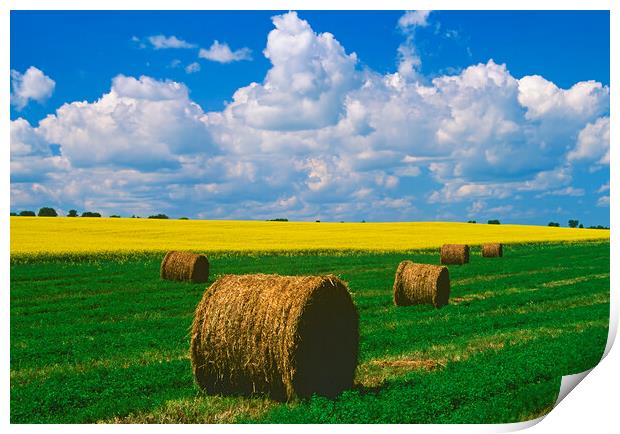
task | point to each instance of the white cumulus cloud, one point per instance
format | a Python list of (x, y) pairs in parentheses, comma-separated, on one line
[(160, 42), (543, 99), (409, 59), (593, 143), (221, 52), (413, 19), (25, 140), (603, 201), (139, 123), (603, 188), (304, 89), (192, 67), (31, 85)]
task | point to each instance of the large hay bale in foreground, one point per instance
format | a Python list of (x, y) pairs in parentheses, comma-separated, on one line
[(455, 254), (493, 250), (284, 336), (421, 284), (184, 266)]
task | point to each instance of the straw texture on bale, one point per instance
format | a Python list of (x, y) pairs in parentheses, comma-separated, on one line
[(185, 266), (494, 250), (284, 336), (421, 284), (455, 254)]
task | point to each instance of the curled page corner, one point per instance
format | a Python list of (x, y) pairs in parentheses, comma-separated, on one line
[(613, 328), (569, 382), (518, 426)]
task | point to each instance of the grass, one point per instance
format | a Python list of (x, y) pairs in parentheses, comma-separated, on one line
[(44, 236), (104, 340)]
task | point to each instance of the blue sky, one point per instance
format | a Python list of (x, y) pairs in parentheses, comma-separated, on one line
[(379, 116)]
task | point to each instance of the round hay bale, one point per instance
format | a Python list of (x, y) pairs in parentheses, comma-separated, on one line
[(455, 254), (493, 250), (284, 336), (421, 284), (184, 266)]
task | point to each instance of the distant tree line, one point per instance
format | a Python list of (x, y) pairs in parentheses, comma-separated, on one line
[(24, 214), (47, 212), (51, 212), (491, 222), (575, 224)]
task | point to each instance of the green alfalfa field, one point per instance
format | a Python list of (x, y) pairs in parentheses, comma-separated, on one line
[(103, 339)]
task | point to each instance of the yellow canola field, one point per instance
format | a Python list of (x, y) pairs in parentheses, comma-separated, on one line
[(41, 235)]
